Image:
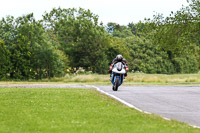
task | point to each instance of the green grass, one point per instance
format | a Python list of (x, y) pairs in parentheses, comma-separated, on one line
[(46, 110), (133, 78)]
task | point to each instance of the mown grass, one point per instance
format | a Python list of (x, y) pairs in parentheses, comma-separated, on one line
[(133, 78), (47, 110)]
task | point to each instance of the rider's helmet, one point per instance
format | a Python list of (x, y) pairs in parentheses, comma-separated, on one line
[(119, 57)]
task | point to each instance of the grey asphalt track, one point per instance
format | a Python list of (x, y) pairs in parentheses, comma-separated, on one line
[(174, 102)]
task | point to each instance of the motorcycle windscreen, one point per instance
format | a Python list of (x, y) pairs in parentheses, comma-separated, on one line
[(119, 66)]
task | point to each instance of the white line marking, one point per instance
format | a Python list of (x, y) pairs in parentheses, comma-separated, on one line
[(120, 100), (98, 89), (195, 126), (132, 106), (165, 118)]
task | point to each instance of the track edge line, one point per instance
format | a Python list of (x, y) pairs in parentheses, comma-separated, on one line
[(132, 106)]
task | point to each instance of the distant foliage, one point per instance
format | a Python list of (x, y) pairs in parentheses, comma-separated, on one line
[(80, 36), (5, 64), (66, 40), (147, 57), (185, 64), (163, 45), (23, 37)]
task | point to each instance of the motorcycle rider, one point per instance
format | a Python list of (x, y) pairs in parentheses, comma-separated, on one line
[(119, 58)]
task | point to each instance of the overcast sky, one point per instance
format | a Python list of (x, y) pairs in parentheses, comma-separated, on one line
[(118, 11)]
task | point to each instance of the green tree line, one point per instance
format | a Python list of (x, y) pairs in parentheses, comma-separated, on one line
[(67, 39)]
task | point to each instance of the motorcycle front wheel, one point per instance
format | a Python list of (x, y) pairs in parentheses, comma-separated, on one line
[(115, 87)]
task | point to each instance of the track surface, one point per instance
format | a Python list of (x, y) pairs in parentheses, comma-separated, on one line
[(174, 102)]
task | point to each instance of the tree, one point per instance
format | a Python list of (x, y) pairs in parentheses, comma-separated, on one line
[(18, 47), (29, 47), (49, 61), (5, 64), (178, 35), (117, 30), (81, 37), (116, 46)]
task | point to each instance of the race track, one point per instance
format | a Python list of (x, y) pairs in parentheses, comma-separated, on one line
[(173, 102)]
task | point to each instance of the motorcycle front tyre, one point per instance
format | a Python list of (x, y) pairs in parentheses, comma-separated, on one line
[(115, 87)]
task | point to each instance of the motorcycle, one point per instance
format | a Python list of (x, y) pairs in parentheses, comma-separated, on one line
[(117, 76)]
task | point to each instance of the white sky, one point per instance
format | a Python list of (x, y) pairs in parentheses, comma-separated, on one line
[(118, 11)]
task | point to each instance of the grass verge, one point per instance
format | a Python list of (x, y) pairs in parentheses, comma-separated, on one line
[(46, 110), (133, 78)]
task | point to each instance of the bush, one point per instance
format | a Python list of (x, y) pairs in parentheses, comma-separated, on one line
[(147, 57), (5, 61), (48, 61), (186, 64)]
